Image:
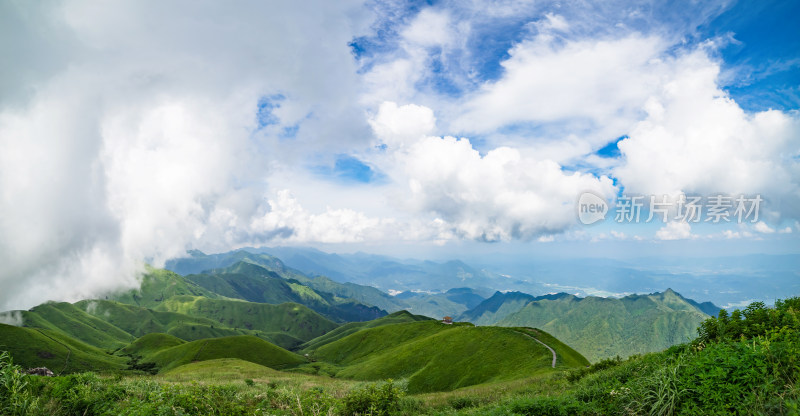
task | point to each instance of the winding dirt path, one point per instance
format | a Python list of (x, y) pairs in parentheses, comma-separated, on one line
[(545, 345), (69, 350)]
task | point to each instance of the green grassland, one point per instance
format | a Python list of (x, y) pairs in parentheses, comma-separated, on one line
[(294, 319), (744, 363), (112, 325), (75, 322), (199, 262), (41, 347), (432, 356), (353, 327), (602, 328), (151, 343), (244, 347), (158, 285)]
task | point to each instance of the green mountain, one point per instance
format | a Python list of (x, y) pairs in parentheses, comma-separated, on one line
[(465, 296), (198, 263), (500, 305), (138, 321), (450, 303), (243, 347), (383, 272), (151, 344), (158, 285), (171, 304), (433, 305), (36, 347), (436, 357), (254, 283), (353, 327), (606, 327), (290, 318), (74, 322)]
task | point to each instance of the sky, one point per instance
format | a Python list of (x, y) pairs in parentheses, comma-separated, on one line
[(133, 131)]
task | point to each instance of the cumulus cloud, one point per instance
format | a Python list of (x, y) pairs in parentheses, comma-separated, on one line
[(763, 228), (289, 221), (134, 131), (137, 135), (696, 139), (546, 81), (675, 231), (501, 195), (396, 125)]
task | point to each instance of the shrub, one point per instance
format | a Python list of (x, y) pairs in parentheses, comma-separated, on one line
[(15, 394), (463, 402), (374, 399), (548, 406)]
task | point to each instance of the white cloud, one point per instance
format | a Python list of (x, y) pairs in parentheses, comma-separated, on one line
[(129, 132), (397, 125), (618, 235), (501, 195), (697, 140), (602, 82), (429, 28), (145, 144), (763, 228), (730, 234), (287, 220), (13, 318), (675, 231)]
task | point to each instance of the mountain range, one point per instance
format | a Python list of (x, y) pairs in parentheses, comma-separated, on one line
[(252, 306)]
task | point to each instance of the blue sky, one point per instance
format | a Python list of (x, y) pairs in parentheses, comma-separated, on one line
[(137, 131)]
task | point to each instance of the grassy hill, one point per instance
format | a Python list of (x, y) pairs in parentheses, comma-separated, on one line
[(243, 347), (158, 285), (139, 321), (745, 362), (605, 327), (353, 327), (254, 283), (496, 308), (437, 357), (73, 321), (33, 347), (152, 343), (293, 319), (200, 263)]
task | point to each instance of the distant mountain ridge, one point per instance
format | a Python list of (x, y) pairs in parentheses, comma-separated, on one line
[(500, 305), (606, 327), (451, 301)]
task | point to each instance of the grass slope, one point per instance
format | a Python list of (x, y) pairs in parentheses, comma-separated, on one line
[(139, 321), (604, 327), (199, 262), (33, 347), (159, 285), (500, 305), (152, 343), (254, 283), (353, 327), (437, 357), (73, 321), (244, 347), (293, 319)]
